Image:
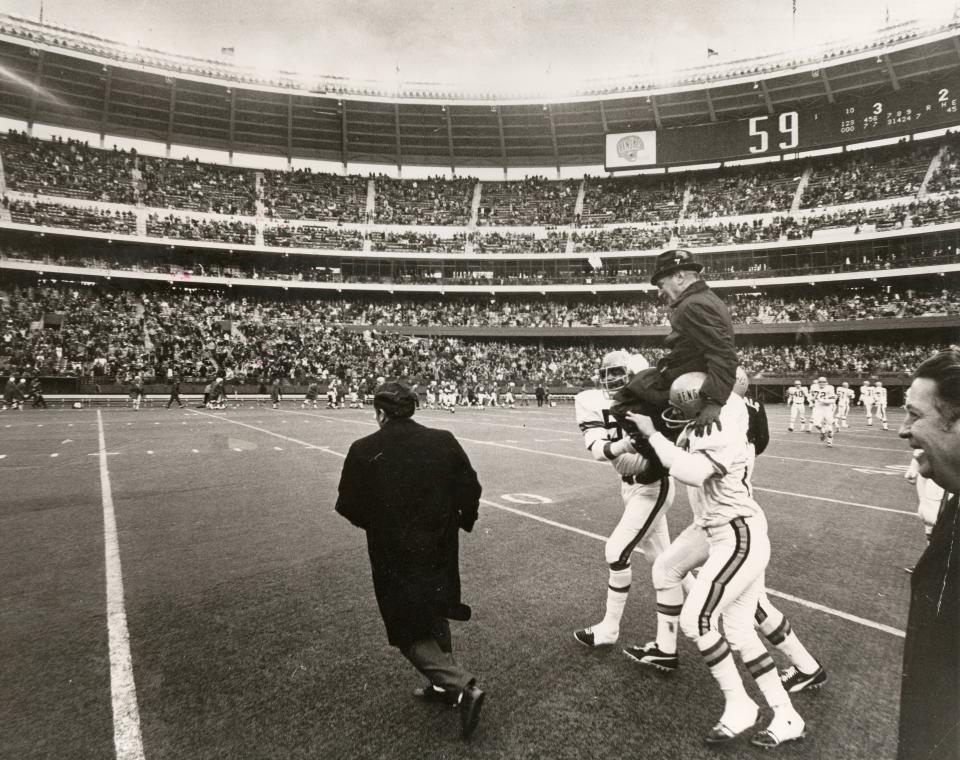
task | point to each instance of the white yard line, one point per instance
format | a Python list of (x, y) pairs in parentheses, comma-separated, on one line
[(563, 526), (127, 741), (796, 599)]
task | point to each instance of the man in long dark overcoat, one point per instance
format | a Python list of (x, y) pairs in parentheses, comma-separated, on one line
[(412, 488)]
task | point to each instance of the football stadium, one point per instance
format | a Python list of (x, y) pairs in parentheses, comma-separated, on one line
[(208, 268)]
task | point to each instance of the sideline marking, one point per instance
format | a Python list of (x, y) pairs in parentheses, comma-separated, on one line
[(123, 691), (279, 435), (582, 460), (803, 602), (525, 498), (562, 526)]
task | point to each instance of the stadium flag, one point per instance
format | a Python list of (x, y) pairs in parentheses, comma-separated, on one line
[(711, 52), (228, 51)]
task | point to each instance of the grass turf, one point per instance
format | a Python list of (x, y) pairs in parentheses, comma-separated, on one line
[(254, 633)]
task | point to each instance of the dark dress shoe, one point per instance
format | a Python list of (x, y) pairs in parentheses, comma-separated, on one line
[(470, 704), (431, 693)]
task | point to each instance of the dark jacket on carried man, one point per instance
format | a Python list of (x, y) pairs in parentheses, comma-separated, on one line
[(701, 340), (411, 488)]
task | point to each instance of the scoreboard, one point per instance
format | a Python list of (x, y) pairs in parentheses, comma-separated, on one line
[(900, 112)]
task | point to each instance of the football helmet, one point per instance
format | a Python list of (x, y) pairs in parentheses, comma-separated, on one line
[(741, 383), (685, 399), (614, 370), (878, 384), (637, 363), (797, 383)]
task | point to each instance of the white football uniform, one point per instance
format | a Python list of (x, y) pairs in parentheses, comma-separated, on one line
[(796, 400), (643, 524), (880, 401), (824, 401), (728, 541), (866, 400)]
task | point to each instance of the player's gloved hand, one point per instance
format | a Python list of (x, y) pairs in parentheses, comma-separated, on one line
[(707, 417), (644, 423)]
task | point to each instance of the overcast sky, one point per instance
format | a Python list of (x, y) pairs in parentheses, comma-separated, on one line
[(543, 43)]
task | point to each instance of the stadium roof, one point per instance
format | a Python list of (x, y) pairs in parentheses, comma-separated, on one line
[(57, 76)]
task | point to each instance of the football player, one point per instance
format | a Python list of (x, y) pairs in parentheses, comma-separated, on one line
[(844, 398), (866, 400), (880, 402), (332, 393), (432, 395), (728, 541), (797, 398), (824, 399), (646, 491), (310, 397), (805, 672)]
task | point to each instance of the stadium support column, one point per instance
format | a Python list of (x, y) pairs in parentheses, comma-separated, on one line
[(553, 137), (766, 96), (503, 141), (232, 92), (344, 155), (603, 118), (289, 130), (447, 111), (396, 122), (37, 87), (890, 72), (171, 110), (656, 111), (105, 112), (826, 86), (713, 113)]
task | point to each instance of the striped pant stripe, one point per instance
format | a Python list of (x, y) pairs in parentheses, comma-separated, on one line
[(738, 558), (654, 513), (619, 589), (781, 632), (761, 665), (669, 609)]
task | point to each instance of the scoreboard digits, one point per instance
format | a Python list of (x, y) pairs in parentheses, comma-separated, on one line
[(901, 112)]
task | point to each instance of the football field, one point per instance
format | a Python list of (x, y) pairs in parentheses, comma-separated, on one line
[(175, 584)]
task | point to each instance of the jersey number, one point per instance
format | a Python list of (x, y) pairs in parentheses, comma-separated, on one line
[(611, 424)]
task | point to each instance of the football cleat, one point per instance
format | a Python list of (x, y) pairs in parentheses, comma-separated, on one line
[(431, 693), (651, 656), (823, 436), (596, 637), (790, 428), (785, 727), (794, 681), (732, 724)]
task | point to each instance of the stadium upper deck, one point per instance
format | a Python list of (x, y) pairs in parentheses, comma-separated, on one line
[(70, 79)]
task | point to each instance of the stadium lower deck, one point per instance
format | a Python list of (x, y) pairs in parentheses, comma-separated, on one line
[(253, 631)]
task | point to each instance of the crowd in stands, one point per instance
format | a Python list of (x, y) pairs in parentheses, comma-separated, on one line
[(621, 239), (304, 194), (189, 228), (424, 201), (515, 242), (632, 199), (313, 236), (416, 242), (868, 175), (56, 215), (734, 192), (101, 333), (68, 168), (189, 184), (528, 202), (109, 332)]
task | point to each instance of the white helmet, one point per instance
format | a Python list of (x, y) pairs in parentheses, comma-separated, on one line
[(685, 399), (614, 370), (742, 382), (638, 363)]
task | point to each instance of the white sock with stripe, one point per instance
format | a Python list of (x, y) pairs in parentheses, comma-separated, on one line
[(779, 633), (669, 604), (617, 592)]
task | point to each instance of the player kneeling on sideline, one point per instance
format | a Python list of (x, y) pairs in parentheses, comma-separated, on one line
[(728, 537), (824, 398), (805, 672), (644, 487)]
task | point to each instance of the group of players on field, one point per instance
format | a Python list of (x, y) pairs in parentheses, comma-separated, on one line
[(830, 407)]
